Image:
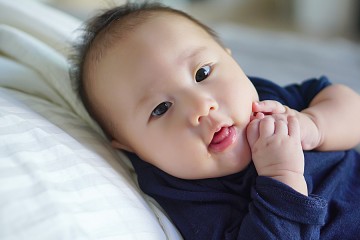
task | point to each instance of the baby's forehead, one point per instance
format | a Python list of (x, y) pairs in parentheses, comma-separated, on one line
[(112, 35), (118, 34), (131, 22), (123, 38)]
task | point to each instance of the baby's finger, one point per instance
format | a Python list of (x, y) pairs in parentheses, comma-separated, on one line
[(266, 126), (252, 132), (268, 106), (258, 115), (294, 127), (281, 127)]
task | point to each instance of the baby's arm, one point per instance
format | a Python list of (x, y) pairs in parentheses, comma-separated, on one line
[(336, 113), (276, 150), (331, 122)]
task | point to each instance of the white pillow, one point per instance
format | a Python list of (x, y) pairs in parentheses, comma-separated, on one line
[(60, 186)]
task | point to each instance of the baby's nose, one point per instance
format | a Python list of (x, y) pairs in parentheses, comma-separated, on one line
[(200, 105)]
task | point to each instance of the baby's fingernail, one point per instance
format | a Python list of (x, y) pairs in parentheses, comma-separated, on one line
[(257, 115)]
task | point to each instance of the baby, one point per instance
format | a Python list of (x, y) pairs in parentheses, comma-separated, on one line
[(222, 153)]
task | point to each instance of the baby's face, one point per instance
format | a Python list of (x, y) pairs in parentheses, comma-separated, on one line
[(176, 98)]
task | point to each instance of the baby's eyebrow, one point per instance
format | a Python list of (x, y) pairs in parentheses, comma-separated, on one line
[(191, 53)]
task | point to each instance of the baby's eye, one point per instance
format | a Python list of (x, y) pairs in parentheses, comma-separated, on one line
[(202, 73), (161, 109)]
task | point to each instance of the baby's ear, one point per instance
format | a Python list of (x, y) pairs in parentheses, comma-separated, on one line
[(118, 145)]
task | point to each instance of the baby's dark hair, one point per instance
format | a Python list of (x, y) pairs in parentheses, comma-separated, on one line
[(100, 33)]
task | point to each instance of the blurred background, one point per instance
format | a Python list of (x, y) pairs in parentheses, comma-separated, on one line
[(315, 18)]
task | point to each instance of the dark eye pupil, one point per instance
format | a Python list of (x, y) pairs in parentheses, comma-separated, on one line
[(202, 73), (161, 108)]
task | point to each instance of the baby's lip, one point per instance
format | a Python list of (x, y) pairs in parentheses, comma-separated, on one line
[(223, 138), (219, 135)]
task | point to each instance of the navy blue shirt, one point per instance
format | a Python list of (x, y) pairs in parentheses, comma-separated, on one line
[(247, 206)]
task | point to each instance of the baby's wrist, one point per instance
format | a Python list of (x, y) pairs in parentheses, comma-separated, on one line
[(312, 137), (294, 180)]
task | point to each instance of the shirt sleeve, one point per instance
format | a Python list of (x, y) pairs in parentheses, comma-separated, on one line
[(296, 96), (279, 212)]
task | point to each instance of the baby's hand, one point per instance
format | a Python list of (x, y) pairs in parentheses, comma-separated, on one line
[(309, 132), (276, 149)]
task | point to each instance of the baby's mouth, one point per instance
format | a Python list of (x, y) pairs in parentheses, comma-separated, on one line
[(223, 138), (220, 135)]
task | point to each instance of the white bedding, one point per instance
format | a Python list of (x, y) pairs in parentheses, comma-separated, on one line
[(59, 179), (58, 186)]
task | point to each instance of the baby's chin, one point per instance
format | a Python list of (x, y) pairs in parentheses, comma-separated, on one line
[(241, 157)]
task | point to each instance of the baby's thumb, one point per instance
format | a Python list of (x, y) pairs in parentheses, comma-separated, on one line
[(268, 107)]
